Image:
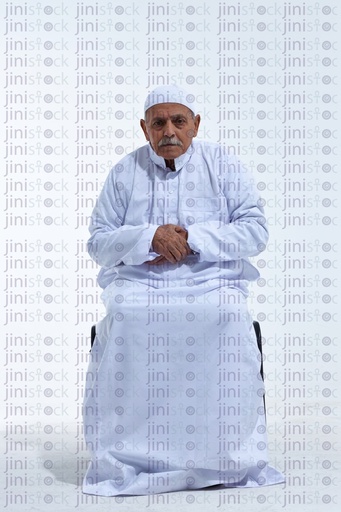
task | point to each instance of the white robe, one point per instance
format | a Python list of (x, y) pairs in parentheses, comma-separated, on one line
[(174, 397)]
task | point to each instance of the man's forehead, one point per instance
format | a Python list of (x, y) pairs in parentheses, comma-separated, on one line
[(168, 110)]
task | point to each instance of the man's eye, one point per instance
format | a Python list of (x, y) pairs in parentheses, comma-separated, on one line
[(157, 123), (180, 121)]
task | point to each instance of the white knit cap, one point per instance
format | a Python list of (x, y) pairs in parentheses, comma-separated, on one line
[(170, 94)]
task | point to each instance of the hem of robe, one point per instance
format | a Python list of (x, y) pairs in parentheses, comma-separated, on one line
[(144, 484)]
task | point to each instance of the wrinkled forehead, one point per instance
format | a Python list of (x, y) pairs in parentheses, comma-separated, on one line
[(167, 110)]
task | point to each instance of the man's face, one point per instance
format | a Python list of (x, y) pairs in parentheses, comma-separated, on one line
[(170, 128)]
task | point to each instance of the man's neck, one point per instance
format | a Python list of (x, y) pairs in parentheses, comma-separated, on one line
[(170, 164)]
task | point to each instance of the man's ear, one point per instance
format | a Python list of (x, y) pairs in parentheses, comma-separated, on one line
[(144, 128), (196, 124)]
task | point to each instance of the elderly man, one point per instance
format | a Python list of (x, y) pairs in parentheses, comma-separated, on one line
[(174, 398)]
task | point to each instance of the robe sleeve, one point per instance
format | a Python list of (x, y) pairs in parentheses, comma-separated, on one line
[(111, 243), (243, 233)]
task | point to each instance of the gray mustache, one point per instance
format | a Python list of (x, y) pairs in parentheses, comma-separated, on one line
[(166, 142)]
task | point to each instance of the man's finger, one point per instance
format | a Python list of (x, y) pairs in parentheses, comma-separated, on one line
[(156, 261)]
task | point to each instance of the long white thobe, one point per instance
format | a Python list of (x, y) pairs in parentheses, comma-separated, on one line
[(174, 398)]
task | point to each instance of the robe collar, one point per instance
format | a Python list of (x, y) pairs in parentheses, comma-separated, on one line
[(179, 162)]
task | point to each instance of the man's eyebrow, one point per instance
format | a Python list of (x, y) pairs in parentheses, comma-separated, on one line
[(173, 117)]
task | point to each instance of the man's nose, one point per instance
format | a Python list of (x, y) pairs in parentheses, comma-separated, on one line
[(168, 129)]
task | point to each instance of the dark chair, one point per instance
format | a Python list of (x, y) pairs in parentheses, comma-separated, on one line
[(256, 327), (93, 334)]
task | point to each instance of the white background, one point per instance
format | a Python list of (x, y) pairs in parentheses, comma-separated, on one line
[(266, 81)]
